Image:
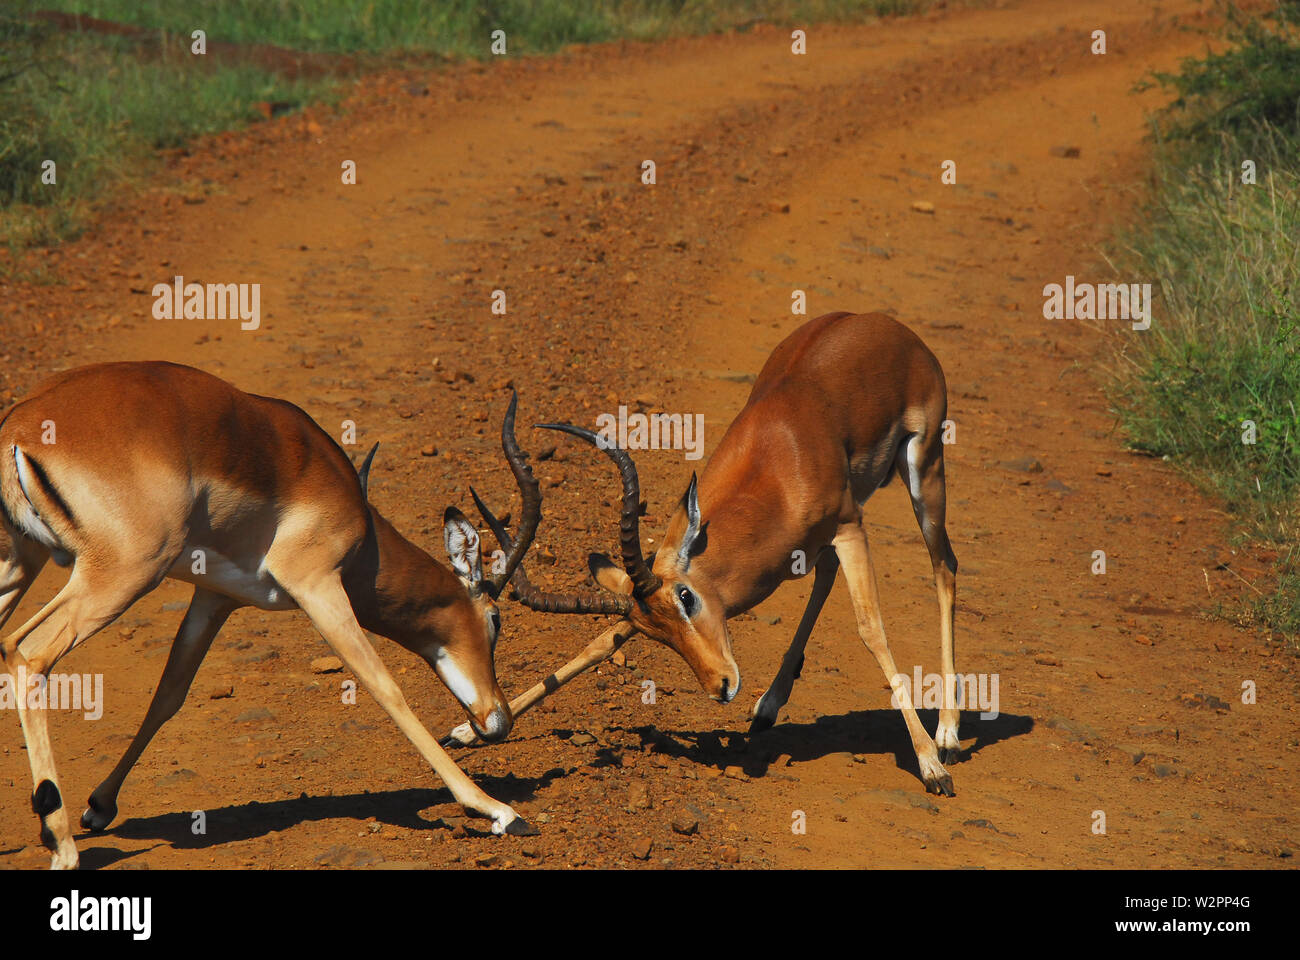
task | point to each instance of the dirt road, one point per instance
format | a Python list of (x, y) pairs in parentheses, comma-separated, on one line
[(773, 173)]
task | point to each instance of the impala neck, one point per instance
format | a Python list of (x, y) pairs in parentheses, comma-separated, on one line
[(399, 591)]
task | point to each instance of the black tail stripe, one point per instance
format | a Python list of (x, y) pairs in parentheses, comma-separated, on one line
[(49, 489)]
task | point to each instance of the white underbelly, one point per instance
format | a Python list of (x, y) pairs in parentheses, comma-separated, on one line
[(205, 567)]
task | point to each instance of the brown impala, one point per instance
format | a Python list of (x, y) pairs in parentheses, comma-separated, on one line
[(843, 403), (134, 472)]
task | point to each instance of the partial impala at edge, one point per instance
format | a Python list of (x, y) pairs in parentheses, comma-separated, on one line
[(153, 461)]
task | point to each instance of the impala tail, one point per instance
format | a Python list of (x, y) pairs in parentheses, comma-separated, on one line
[(32, 503)]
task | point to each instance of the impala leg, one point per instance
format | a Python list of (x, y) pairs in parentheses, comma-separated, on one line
[(326, 603), (925, 485), (18, 569), (204, 618), (87, 603), (778, 692), (600, 649), (851, 545)]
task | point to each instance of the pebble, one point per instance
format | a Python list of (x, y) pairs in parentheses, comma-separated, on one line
[(685, 825), (326, 665)]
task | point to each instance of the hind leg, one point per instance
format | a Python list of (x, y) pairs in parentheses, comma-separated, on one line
[(860, 576), (91, 599), (21, 559), (923, 469), (204, 618)]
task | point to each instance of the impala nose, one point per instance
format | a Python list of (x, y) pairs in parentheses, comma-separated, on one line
[(496, 727), (728, 691)]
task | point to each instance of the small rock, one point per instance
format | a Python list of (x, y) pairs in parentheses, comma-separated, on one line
[(1072, 728), (582, 739), (344, 856), (729, 854), (1202, 700), (257, 713), (638, 798), (428, 450), (776, 206), (1065, 151), (686, 825), (923, 206), (735, 773), (486, 860), (641, 848), (224, 692), (1023, 465), (1133, 753), (326, 665), (1047, 661)]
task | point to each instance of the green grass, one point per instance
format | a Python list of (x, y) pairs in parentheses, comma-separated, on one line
[(100, 113), (1224, 346), (462, 27)]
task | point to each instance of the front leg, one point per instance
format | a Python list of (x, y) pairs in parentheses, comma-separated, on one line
[(326, 603), (600, 649), (778, 693)]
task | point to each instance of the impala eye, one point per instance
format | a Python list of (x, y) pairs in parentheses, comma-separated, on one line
[(688, 600)]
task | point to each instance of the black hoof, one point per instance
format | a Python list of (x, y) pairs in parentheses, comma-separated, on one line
[(519, 827), (759, 724), (95, 819), (947, 757), (941, 787)]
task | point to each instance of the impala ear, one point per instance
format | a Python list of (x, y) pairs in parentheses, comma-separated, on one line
[(696, 538), (608, 574), (462, 542)]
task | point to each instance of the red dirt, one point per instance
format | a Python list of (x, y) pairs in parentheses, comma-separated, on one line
[(524, 176)]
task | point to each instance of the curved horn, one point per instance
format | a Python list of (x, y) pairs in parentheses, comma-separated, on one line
[(536, 599), (532, 508), (644, 581)]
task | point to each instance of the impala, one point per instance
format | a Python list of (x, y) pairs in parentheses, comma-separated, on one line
[(130, 472), (843, 403)]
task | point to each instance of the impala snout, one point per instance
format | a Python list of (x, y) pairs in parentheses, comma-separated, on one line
[(479, 694), (726, 686), (495, 725), (714, 668)]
